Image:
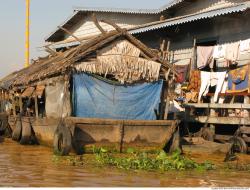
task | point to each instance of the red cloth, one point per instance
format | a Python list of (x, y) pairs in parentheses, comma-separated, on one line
[(182, 72)]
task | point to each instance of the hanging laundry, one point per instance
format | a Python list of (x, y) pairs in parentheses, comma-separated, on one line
[(182, 71), (191, 97), (223, 90), (223, 63), (244, 46), (177, 88), (205, 83), (211, 79), (219, 52), (232, 51), (238, 80), (205, 56), (220, 84), (194, 81)]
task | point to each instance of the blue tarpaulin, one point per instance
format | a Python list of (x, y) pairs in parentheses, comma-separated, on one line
[(94, 98)]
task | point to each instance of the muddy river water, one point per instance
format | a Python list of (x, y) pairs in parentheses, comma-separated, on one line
[(33, 166)]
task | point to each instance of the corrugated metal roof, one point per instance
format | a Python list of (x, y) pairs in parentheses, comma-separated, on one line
[(189, 18), (168, 4), (62, 24)]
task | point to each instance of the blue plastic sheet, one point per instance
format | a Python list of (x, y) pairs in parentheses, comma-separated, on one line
[(94, 98)]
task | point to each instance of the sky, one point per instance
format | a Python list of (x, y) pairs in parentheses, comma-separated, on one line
[(46, 15)]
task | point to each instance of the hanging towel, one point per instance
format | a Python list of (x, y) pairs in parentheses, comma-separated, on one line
[(232, 51), (219, 52), (244, 46), (205, 56)]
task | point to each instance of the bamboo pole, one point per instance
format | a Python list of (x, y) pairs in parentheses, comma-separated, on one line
[(27, 35)]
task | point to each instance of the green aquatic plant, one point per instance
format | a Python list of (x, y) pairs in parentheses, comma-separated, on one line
[(146, 161)]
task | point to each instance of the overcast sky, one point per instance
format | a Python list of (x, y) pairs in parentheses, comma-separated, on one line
[(46, 15)]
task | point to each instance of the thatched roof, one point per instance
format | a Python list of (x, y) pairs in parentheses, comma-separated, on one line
[(63, 62)]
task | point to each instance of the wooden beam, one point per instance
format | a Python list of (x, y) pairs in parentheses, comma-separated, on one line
[(231, 94), (218, 106), (97, 24), (222, 137), (100, 121), (245, 130), (51, 51), (218, 120), (246, 139), (69, 33)]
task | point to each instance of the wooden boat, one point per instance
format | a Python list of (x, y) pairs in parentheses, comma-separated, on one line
[(86, 133)]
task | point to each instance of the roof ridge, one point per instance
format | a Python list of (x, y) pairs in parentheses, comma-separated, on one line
[(129, 10)]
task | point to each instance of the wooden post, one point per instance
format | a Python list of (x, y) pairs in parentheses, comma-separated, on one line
[(14, 106), (192, 66), (246, 101), (167, 52), (121, 125), (20, 104), (69, 33), (164, 101), (212, 111), (36, 106), (166, 108), (167, 101)]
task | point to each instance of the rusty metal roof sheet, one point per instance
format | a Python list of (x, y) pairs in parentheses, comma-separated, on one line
[(190, 18)]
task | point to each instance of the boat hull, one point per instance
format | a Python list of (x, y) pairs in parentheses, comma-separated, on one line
[(113, 134)]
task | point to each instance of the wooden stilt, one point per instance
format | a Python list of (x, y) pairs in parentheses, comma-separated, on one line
[(246, 101), (36, 106), (20, 104)]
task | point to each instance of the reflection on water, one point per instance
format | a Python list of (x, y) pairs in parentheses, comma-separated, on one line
[(32, 166)]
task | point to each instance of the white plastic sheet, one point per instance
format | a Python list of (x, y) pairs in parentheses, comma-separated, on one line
[(57, 103)]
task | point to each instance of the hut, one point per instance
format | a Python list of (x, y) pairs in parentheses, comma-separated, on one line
[(109, 91)]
